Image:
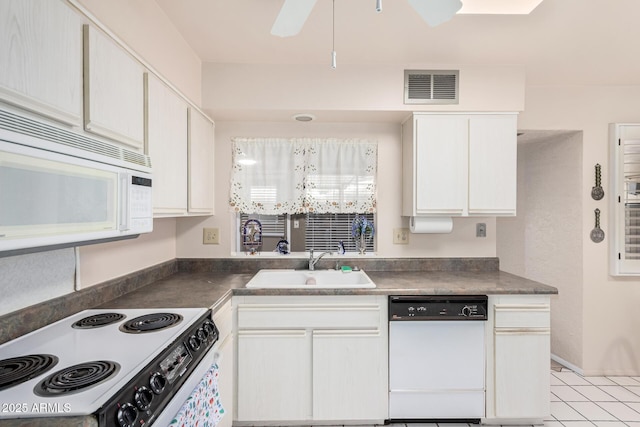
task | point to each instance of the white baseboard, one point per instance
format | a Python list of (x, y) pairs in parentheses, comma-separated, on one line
[(566, 364)]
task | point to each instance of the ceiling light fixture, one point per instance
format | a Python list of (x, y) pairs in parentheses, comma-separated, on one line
[(378, 6), (334, 65)]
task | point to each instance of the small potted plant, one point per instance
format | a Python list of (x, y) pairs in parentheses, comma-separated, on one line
[(361, 230)]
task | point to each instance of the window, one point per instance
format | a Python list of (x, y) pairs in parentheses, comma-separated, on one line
[(624, 196), (320, 232), (274, 228), (305, 190), (324, 231)]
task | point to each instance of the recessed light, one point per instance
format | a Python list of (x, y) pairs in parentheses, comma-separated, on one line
[(304, 117)]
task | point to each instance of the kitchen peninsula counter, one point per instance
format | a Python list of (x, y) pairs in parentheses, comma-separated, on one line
[(184, 283), (185, 289)]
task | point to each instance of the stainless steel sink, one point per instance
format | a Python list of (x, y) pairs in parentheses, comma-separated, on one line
[(310, 279)]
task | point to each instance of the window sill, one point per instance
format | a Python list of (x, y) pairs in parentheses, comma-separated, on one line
[(300, 255)]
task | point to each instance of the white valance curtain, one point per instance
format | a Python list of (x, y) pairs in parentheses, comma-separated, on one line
[(273, 176)]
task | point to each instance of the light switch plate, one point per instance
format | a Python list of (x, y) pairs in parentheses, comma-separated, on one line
[(400, 236), (210, 236)]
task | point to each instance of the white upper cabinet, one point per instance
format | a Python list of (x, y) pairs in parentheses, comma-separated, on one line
[(492, 164), (41, 51), (441, 172), (201, 170), (113, 90), (166, 119), (459, 164)]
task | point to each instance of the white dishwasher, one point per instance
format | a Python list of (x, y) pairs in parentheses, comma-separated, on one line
[(437, 358)]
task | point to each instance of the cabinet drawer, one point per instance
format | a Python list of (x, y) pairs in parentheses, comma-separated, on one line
[(522, 316), (260, 316)]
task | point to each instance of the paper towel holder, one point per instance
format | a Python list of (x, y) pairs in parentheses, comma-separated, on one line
[(430, 225)]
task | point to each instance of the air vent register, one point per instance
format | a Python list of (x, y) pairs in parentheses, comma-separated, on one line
[(431, 86)]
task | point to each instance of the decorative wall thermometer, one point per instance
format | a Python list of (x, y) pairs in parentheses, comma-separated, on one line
[(597, 192), (597, 235)]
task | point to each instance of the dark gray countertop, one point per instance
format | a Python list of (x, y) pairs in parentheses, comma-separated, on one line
[(206, 289), (183, 290)]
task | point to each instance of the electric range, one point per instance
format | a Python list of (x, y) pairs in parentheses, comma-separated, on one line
[(121, 367)]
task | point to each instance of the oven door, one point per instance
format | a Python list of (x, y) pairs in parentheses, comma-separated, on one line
[(197, 402)]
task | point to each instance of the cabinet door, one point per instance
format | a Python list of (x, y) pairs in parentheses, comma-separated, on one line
[(113, 90), (274, 375), (167, 146), (201, 171), (349, 375), (521, 373), (41, 47), (441, 164), (492, 164)]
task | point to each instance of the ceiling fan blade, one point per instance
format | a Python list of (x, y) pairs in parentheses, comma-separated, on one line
[(292, 16), (436, 12)]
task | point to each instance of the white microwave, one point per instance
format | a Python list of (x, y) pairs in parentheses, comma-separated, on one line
[(59, 188)]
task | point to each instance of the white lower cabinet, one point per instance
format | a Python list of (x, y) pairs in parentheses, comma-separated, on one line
[(522, 374), (346, 375), (518, 382), (319, 358), (274, 375)]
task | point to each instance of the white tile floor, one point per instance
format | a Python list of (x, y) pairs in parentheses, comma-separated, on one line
[(578, 401)]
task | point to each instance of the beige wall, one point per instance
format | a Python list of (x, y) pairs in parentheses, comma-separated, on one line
[(105, 261), (239, 91), (610, 322), (544, 242), (460, 243)]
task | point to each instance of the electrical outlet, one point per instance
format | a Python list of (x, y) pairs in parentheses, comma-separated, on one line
[(400, 236), (481, 229), (210, 236)]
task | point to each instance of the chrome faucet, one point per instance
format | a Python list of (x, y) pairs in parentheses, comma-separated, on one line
[(313, 261)]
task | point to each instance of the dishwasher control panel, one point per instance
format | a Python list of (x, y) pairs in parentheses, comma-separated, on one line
[(436, 307)]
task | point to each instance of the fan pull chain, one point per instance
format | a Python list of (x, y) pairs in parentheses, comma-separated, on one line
[(334, 64)]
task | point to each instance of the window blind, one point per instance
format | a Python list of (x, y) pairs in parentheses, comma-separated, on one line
[(632, 199), (272, 225), (324, 231)]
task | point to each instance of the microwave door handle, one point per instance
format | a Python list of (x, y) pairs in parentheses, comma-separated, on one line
[(124, 201)]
